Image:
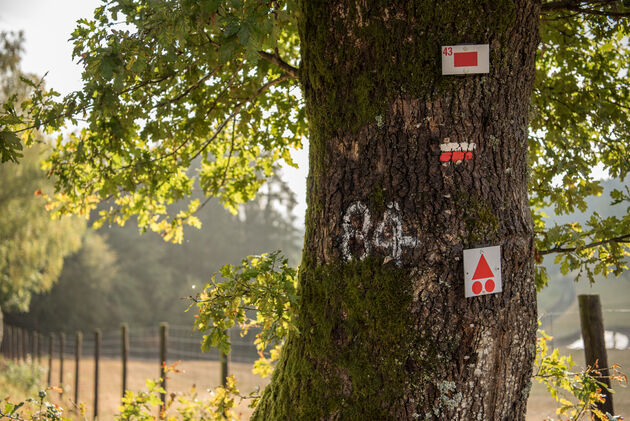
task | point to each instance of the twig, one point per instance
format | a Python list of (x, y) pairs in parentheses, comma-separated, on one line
[(575, 7), (620, 239), (277, 60)]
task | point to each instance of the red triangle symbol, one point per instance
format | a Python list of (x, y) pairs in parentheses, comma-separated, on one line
[(483, 270)]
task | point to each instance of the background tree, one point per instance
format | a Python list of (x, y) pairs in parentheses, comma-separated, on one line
[(117, 276), (32, 247), (389, 334)]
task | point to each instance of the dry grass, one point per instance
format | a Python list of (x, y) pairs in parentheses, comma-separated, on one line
[(205, 375)]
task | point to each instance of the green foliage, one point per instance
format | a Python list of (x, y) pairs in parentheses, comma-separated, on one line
[(580, 121), (19, 379), (32, 409), (554, 371), (10, 50), (32, 246), (143, 406), (165, 84), (261, 292)]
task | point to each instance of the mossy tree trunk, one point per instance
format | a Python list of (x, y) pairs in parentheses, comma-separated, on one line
[(385, 329)]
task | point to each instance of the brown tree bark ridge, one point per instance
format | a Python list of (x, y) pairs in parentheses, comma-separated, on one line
[(385, 330)]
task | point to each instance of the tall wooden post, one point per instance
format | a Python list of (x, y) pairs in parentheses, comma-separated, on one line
[(592, 324), (97, 352), (62, 345), (224, 368), (223, 359), (77, 360), (124, 343), (51, 343), (163, 356)]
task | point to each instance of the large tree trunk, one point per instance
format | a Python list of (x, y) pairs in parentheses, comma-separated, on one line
[(385, 329)]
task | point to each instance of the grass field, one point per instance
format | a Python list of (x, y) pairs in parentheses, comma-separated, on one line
[(205, 375), (202, 375)]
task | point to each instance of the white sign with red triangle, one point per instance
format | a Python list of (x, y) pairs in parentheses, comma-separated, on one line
[(482, 271)]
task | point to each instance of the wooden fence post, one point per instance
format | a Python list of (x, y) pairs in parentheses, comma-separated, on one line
[(18, 339), (25, 345), (77, 359), (18, 344), (592, 324), (163, 356), (16, 347), (40, 342), (97, 351), (62, 345), (35, 348), (223, 359), (9, 333), (51, 343), (124, 343), (6, 337)]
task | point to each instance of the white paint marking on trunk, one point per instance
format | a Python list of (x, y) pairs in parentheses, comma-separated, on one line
[(357, 208), (388, 234)]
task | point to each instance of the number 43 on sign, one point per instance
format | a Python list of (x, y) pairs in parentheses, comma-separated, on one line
[(465, 59)]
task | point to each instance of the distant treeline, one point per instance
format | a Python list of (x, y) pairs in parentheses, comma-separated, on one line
[(119, 275)]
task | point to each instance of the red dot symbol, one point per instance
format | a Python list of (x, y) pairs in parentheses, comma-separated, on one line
[(476, 287), (489, 285)]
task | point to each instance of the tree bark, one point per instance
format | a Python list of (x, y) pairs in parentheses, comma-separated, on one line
[(385, 331)]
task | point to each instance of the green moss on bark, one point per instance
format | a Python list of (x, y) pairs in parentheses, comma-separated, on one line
[(481, 222), (354, 343), (357, 63)]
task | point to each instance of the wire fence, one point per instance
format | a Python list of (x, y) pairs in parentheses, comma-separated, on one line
[(144, 343), (153, 345), (162, 344)]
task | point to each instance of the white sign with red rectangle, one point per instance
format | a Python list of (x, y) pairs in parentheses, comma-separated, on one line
[(465, 59), (482, 271)]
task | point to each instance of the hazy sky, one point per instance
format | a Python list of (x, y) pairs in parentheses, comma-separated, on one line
[(47, 25)]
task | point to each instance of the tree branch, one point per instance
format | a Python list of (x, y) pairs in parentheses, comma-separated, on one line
[(275, 58), (237, 109), (563, 4), (582, 7), (620, 239), (189, 89)]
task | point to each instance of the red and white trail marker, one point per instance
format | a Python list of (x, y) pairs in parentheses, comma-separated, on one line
[(465, 59), (482, 271)]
